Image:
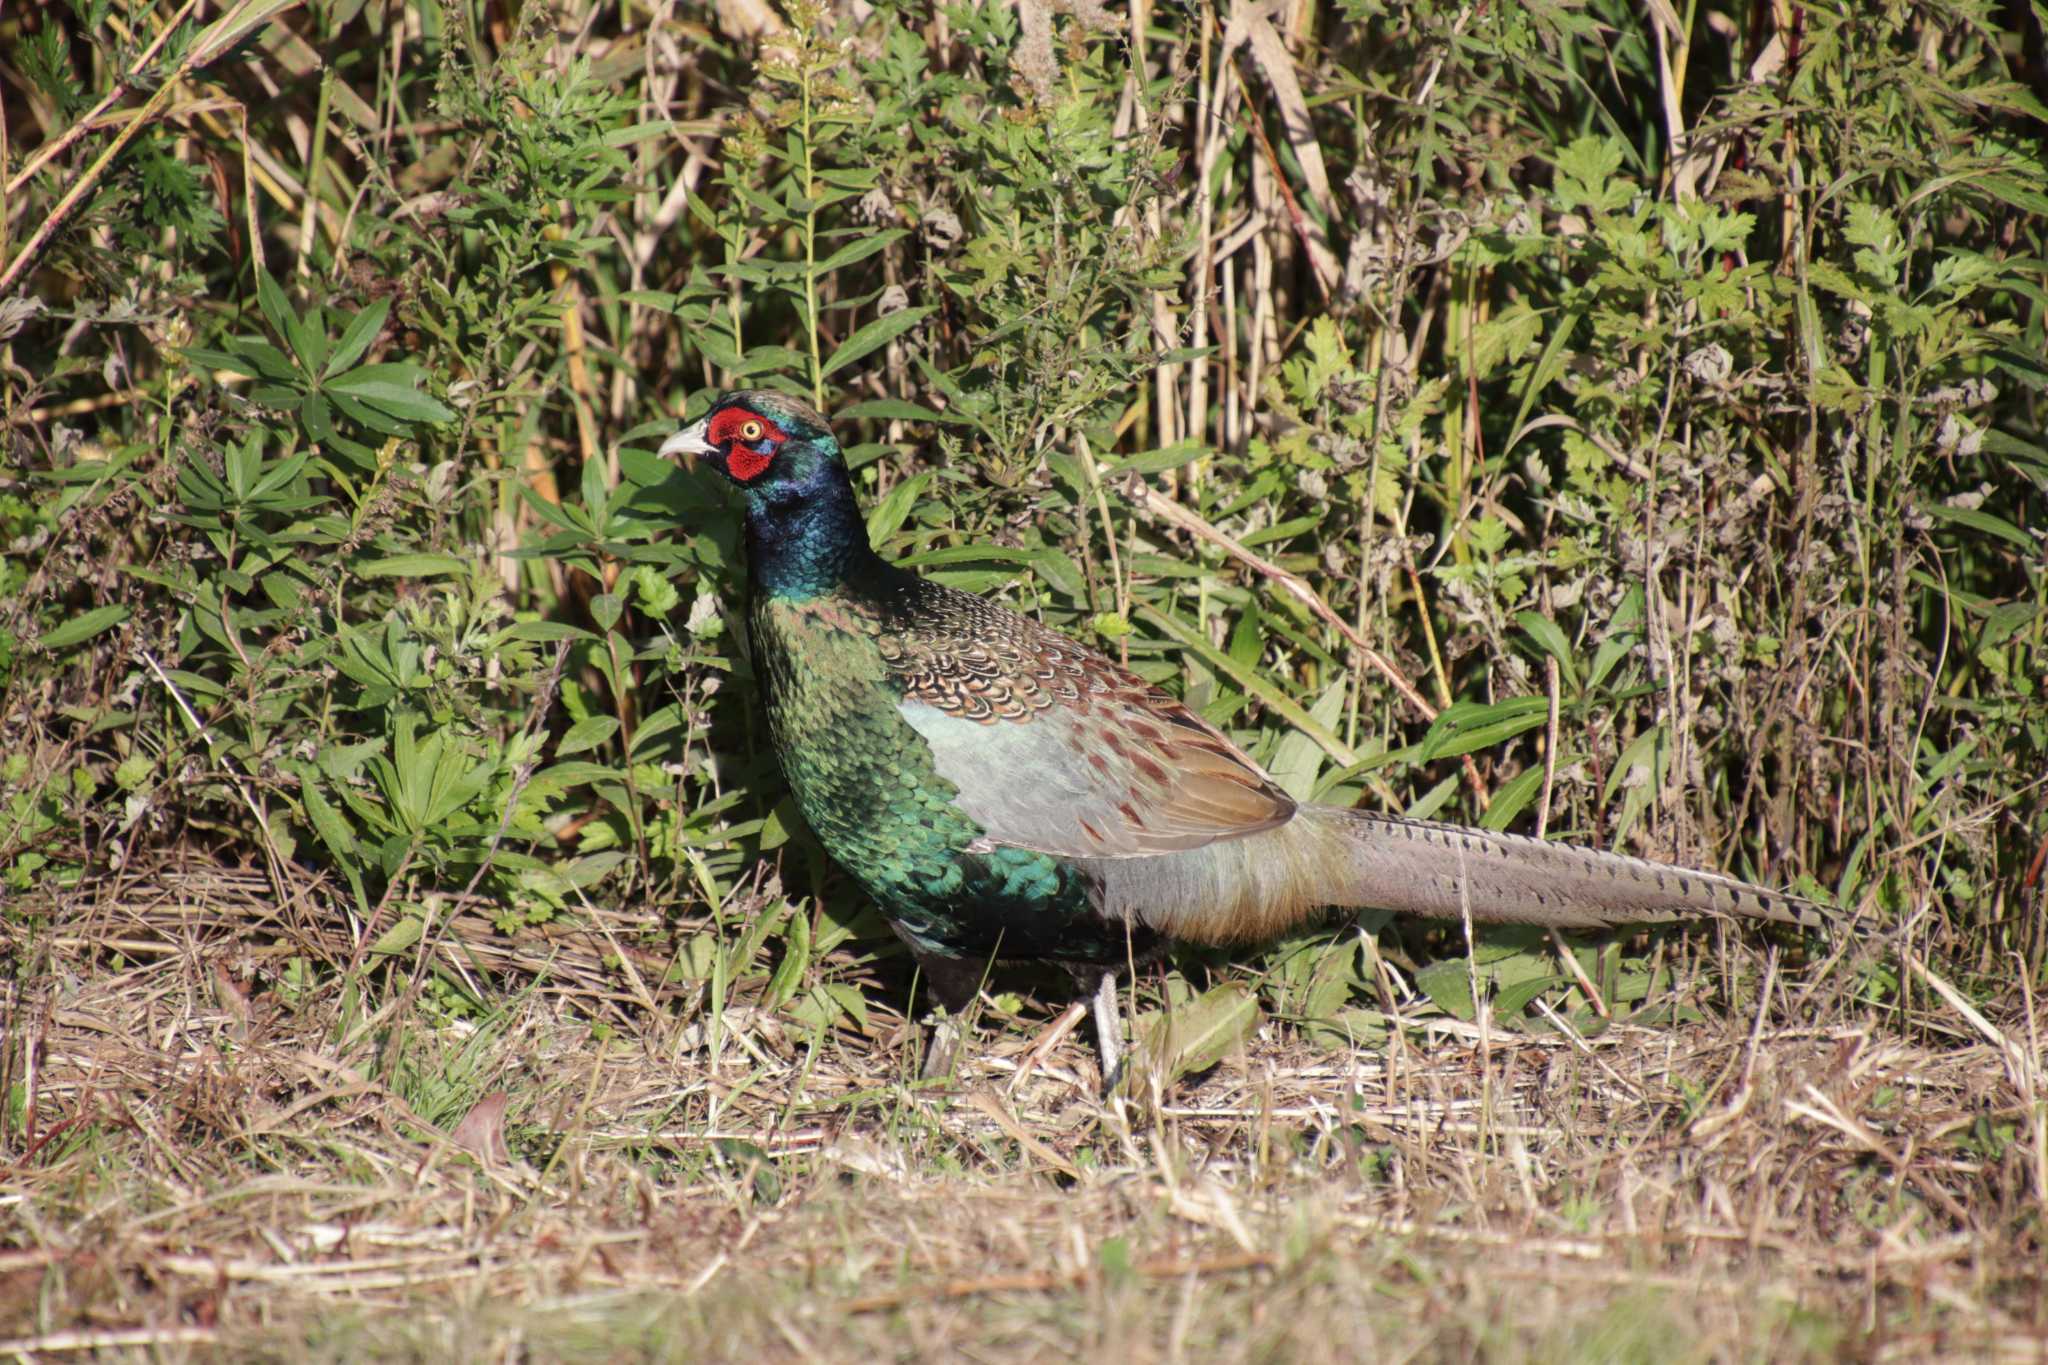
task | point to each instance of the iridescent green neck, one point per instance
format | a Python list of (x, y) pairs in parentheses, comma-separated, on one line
[(805, 536)]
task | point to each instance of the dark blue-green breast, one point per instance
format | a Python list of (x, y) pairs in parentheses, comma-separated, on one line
[(865, 782)]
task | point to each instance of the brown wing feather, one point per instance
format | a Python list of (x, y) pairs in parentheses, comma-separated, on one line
[(1055, 747)]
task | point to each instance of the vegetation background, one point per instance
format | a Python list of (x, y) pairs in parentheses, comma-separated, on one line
[(1620, 419)]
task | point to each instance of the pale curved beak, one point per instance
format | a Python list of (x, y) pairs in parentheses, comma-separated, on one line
[(687, 444)]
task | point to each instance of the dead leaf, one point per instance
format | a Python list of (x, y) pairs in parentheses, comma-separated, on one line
[(482, 1130)]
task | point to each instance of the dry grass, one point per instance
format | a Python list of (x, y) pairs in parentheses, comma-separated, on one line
[(209, 1166)]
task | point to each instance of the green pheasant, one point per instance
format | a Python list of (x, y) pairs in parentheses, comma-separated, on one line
[(1004, 792)]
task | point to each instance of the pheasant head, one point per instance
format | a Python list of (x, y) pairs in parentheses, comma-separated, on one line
[(762, 440), (804, 530)]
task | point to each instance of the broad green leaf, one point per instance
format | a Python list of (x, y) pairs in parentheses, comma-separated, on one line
[(581, 873), (668, 720), (588, 733), (1432, 802), (376, 419), (334, 832), (1551, 640), (2026, 198), (796, 960), (1192, 1037), (1512, 1000), (390, 388), (1298, 758), (1348, 1029), (1464, 727), (399, 936), (83, 627), (413, 566), (206, 360), (261, 360), (851, 1001), (874, 336), (1513, 797), (1175, 456), (279, 473), (638, 132), (284, 323), (1641, 771), (859, 249), (888, 515), (1448, 984), (546, 632), (362, 329), (1979, 520), (896, 409), (851, 178)]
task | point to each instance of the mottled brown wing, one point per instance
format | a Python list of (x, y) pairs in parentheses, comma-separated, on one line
[(1055, 748)]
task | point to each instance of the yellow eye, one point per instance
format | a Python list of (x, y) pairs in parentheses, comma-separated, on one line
[(751, 430)]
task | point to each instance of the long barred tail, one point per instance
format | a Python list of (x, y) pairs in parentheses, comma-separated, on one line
[(1422, 868), (1251, 888)]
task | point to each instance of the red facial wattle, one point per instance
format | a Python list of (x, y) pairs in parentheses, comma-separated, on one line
[(746, 464), (749, 441)]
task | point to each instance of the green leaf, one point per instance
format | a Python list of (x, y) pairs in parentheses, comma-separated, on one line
[(218, 360), (860, 178), (1551, 640), (195, 684), (81, 628), (1587, 174), (277, 308), (896, 409), (850, 1000), (393, 389), (1448, 984), (1192, 1037), (874, 336), (1501, 340), (399, 936), (1055, 568), (1649, 753), (796, 960), (318, 416), (2026, 198), (1175, 456), (1513, 797), (638, 132), (1432, 802), (1298, 759), (374, 418), (588, 733), (278, 473), (771, 360), (889, 514), (546, 632), (412, 566), (334, 832), (1467, 726), (261, 360), (1548, 367), (590, 869), (1978, 520), (862, 247), (1512, 1000), (362, 329)]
